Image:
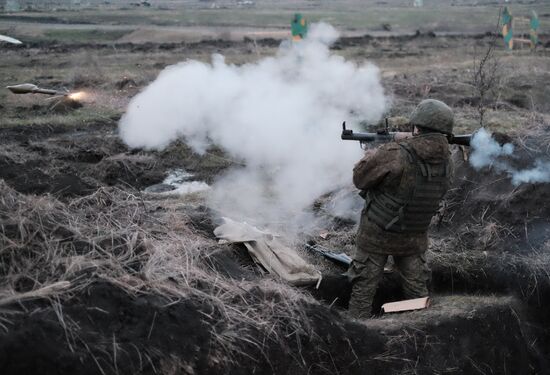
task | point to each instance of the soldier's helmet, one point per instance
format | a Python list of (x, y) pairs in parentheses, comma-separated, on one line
[(433, 114)]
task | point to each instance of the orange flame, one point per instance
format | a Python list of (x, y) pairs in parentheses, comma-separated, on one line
[(77, 96)]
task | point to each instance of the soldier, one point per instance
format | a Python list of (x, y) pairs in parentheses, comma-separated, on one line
[(402, 183)]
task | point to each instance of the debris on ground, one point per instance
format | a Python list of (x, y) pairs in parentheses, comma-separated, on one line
[(270, 252)]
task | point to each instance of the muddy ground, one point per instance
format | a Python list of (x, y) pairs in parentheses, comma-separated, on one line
[(99, 276)]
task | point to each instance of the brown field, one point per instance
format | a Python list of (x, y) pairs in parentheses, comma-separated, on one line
[(100, 276)]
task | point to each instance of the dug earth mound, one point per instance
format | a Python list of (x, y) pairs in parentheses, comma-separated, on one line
[(100, 276)]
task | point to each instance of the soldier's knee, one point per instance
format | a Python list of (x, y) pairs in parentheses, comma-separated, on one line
[(354, 271), (414, 266), (415, 275), (366, 267)]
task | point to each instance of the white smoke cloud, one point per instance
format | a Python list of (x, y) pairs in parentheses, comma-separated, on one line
[(281, 115), (489, 153), (539, 173), (487, 150)]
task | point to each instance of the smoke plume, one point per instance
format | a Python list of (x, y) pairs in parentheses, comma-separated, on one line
[(489, 153), (280, 115)]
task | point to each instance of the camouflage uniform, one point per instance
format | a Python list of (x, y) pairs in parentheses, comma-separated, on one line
[(402, 183)]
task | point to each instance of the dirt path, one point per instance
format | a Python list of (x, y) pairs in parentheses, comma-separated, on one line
[(165, 34)]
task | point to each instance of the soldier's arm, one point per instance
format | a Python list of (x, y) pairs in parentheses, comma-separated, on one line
[(376, 165)]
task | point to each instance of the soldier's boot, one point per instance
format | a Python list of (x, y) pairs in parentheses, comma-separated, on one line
[(364, 274), (415, 275)]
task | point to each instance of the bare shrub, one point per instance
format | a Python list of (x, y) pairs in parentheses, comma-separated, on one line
[(486, 74)]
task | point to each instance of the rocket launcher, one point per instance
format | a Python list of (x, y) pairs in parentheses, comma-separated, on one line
[(386, 136)]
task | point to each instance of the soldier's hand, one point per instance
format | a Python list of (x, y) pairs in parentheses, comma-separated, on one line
[(401, 136)]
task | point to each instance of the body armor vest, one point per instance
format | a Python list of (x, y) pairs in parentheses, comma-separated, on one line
[(410, 210)]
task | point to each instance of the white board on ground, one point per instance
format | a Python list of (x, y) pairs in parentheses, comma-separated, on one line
[(406, 305), (8, 39)]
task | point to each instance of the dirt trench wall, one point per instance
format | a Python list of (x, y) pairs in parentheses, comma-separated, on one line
[(493, 236), (105, 330), (485, 205)]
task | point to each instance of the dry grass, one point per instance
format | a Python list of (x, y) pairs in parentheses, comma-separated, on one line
[(54, 250), (526, 275)]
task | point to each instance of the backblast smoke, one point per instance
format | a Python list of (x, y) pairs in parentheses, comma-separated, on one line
[(281, 116), (489, 153)]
